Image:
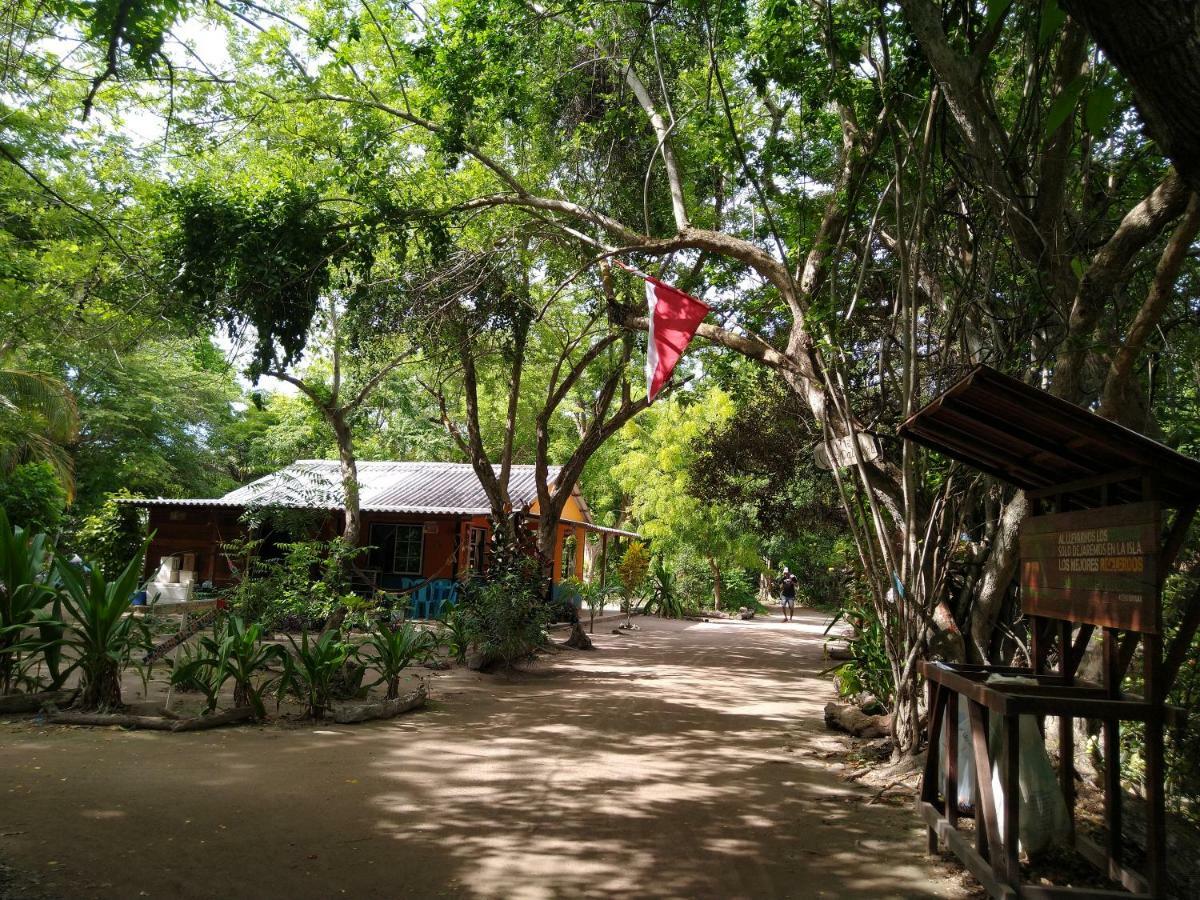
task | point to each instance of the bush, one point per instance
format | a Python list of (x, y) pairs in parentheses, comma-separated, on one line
[(234, 652), (301, 588), (26, 602), (317, 668), (504, 616), (104, 638), (394, 651), (33, 497), (664, 599), (738, 589), (112, 535)]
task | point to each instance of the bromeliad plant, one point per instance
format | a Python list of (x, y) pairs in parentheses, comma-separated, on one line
[(394, 651), (104, 638), (315, 670), (235, 652), (26, 602)]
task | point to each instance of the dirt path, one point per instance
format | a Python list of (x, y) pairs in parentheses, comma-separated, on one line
[(686, 760)]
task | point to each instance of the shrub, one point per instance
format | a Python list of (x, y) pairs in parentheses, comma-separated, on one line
[(504, 616), (395, 650), (27, 602), (453, 634), (303, 586), (103, 637), (33, 497), (235, 652), (664, 599), (111, 535), (317, 667), (738, 589)]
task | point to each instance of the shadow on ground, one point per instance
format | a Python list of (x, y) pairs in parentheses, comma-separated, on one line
[(684, 760)]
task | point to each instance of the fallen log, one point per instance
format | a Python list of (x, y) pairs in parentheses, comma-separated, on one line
[(24, 703), (853, 720), (154, 723), (384, 709)]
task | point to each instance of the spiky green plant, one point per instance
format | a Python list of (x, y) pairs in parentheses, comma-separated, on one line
[(104, 635), (394, 651), (27, 620), (315, 668), (234, 652)]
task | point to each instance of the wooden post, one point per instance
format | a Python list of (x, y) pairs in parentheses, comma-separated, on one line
[(1066, 727), (1010, 770), (603, 558), (1112, 747), (950, 728)]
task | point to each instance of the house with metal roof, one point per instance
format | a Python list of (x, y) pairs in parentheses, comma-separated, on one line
[(425, 527)]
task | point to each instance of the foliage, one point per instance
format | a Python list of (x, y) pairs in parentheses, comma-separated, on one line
[(738, 589), (302, 587), (103, 637), (664, 599), (593, 595), (317, 665), (453, 634), (234, 652), (26, 599), (868, 669), (632, 570), (395, 650), (33, 496), (38, 421), (504, 615), (112, 534)]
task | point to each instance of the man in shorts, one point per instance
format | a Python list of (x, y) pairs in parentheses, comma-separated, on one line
[(787, 593)]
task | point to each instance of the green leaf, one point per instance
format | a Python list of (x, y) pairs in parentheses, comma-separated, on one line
[(1098, 108), (1053, 16), (1063, 106), (996, 10), (1077, 267)]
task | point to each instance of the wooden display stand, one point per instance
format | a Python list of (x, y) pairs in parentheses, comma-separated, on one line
[(1094, 556)]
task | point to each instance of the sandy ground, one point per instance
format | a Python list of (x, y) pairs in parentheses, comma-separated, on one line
[(684, 760)]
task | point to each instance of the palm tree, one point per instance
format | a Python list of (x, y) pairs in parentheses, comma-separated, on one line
[(38, 422)]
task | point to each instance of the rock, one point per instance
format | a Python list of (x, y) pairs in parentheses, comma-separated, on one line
[(852, 720), (745, 613)]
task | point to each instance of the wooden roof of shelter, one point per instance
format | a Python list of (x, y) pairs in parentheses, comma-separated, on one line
[(1034, 440)]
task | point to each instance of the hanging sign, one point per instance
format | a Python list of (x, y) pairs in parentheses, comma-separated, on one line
[(1098, 566)]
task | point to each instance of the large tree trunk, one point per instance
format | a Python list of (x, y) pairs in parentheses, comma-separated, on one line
[(352, 526), (1155, 44)]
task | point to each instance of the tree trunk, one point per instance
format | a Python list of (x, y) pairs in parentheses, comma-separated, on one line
[(716, 574), (1155, 44), (998, 573)]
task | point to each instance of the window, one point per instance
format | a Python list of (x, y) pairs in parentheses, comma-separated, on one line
[(397, 549)]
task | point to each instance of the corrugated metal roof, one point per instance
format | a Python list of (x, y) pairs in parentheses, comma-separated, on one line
[(1035, 440), (406, 487)]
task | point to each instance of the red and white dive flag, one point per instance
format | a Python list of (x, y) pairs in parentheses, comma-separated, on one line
[(674, 318)]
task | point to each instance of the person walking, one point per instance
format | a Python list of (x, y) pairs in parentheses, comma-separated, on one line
[(787, 593)]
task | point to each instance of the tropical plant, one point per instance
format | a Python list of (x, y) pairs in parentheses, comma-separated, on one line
[(632, 570), (26, 599), (664, 598), (504, 618), (33, 497), (112, 534), (315, 670), (234, 652), (868, 669), (103, 635), (594, 596), (395, 650), (453, 634), (38, 420)]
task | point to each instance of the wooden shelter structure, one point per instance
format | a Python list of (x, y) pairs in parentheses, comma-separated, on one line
[(1110, 512)]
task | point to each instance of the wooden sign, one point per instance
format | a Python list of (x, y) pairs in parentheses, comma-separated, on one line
[(1098, 566)]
